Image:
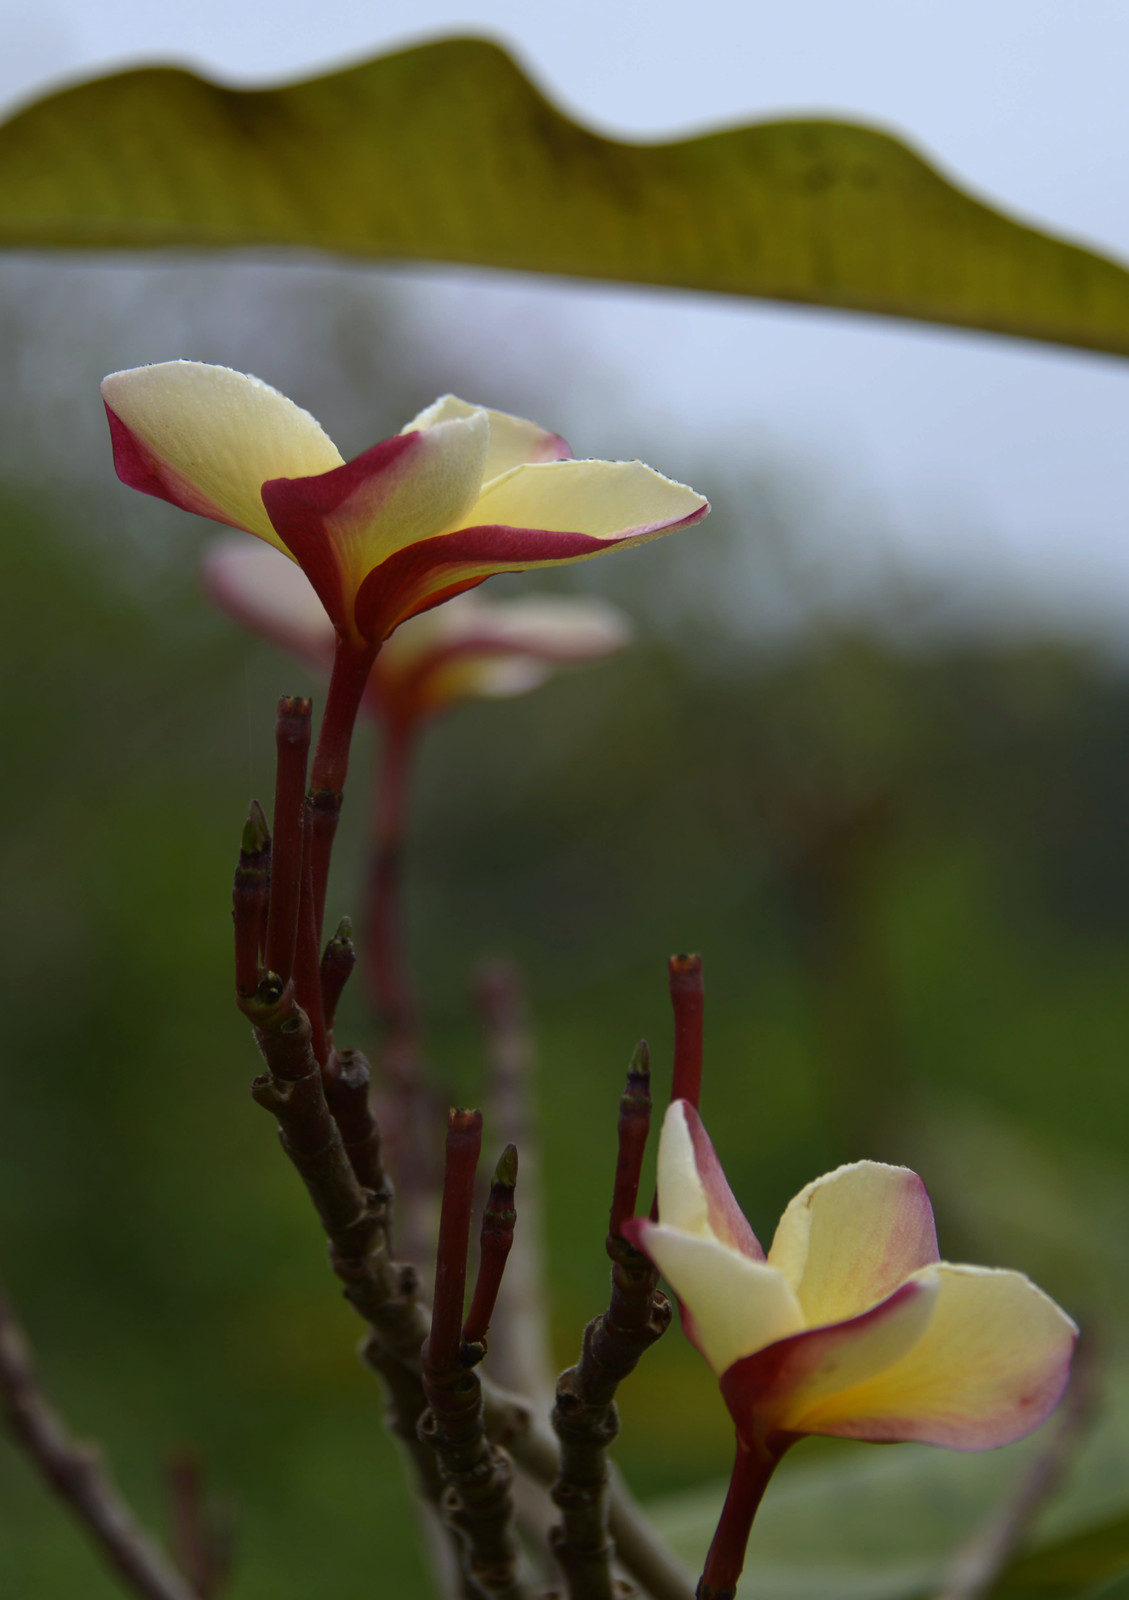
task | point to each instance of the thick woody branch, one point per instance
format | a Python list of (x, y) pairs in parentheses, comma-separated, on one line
[(478, 1498), (76, 1474), (354, 1216), (586, 1422)]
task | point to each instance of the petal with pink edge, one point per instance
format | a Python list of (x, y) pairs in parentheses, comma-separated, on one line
[(694, 1196), (735, 1305), (266, 592), (343, 525), (605, 499), (513, 441), (850, 1238), (419, 577), (207, 438), (991, 1366), (776, 1389)]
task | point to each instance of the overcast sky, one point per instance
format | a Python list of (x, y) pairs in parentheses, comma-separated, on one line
[(1001, 463)]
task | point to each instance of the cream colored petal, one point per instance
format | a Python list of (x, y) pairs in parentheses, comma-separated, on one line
[(850, 1238), (215, 436), (513, 441), (693, 1191), (604, 499), (738, 1305), (683, 1203), (990, 1367), (850, 1353), (425, 492)]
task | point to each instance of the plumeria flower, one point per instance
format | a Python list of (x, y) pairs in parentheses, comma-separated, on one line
[(468, 648), (460, 493), (851, 1325)]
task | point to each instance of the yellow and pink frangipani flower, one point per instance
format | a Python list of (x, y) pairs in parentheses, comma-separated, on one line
[(459, 494), (851, 1325), (470, 647)]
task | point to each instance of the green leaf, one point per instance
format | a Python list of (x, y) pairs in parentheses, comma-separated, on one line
[(447, 152)]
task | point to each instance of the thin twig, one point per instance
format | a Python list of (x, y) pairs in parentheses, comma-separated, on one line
[(585, 1418), (77, 1475), (520, 1350), (478, 1499), (977, 1564), (202, 1540)]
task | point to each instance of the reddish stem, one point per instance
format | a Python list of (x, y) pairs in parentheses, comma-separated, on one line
[(307, 967), (292, 741), (464, 1141), (634, 1126), (387, 965), (337, 962), (352, 663), (726, 1557), (498, 1220), (687, 996), (325, 813)]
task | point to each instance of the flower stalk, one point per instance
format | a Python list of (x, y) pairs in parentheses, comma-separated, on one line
[(725, 1559), (292, 744)]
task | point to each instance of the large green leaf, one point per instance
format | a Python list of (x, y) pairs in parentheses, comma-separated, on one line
[(447, 152)]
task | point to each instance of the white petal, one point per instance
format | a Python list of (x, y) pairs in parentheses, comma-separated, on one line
[(214, 436), (851, 1237), (513, 441), (738, 1305)]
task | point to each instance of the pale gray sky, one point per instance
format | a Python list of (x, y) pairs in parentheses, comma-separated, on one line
[(999, 465)]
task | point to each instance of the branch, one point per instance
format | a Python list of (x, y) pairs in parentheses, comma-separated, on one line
[(478, 1502), (584, 1417), (383, 1291), (202, 1540), (76, 1474), (520, 1349), (355, 1218)]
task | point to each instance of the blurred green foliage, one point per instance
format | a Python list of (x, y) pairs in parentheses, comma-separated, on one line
[(906, 870)]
